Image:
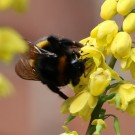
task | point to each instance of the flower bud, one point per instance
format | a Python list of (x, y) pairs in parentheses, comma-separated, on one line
[(100, 79), (104, 32), (100, 124), (129, 23), (108, 9), (121, 45), (124, 7)]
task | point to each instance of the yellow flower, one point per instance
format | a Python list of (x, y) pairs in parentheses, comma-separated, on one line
[(131, 108), (5, 4), (11, 43), (126, 92), (121, 45), (124, 7), (95, 60), (67, 132), (108, 9), (18, 5), (104, 34), (129, 63), (6, 87), (129, 23), (99, 80), (81, 104), (89, 41), (95, 56), (100, 124)]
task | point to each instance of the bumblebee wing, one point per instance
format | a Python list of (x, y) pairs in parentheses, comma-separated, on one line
[(24, 67), (25, 70)]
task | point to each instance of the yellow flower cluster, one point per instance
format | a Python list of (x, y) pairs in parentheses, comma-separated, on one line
[(106, 39), (111, 7), (86, 98), (11, 43), (111, 40), (97, 77), (120, 46)]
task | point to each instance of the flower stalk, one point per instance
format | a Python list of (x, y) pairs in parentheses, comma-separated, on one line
[(95, 114), (112, 62)]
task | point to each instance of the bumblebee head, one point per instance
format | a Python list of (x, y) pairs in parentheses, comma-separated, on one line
[(76, 71)]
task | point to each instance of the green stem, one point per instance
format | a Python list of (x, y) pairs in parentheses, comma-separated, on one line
[(96, 112), (112, 62), (94, 115)]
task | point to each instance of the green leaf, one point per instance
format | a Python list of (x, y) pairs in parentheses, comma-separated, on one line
[(104, 98), (70, 118), (116, 126)]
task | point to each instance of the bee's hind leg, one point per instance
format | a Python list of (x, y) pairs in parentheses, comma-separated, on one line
[(57, 90)]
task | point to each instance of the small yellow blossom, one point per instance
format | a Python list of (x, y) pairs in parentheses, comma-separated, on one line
[(81, 104), (20, 5), (79, 101), (89, 41), (129, 23), (11, 43), (67, 132), (6, 87), (126, 63), (100, 124), (99, 80), (104, 34), (124, 7), (131, 108), (129, 63), (108, 9), (121, 45), (5, 4), (94, 54), (126, 93)]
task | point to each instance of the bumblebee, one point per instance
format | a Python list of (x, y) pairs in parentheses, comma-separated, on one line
[(53, 61)]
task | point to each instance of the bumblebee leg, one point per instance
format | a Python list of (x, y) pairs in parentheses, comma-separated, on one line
[(57, 90)]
